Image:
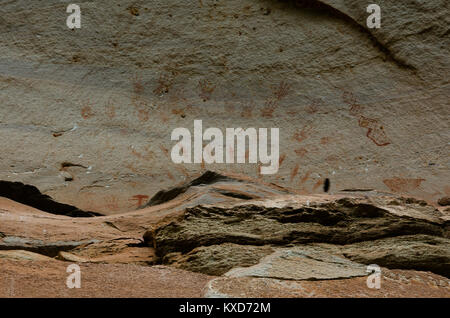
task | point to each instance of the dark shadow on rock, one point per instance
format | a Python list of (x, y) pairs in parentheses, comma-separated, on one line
[(163, 196), (30, 195)]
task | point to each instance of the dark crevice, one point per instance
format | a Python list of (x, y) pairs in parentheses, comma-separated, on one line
[(31, 196), (46, 250), (438, 265), (236, 195), (140, 244), (163, 196), (111, 224), (66, 165)]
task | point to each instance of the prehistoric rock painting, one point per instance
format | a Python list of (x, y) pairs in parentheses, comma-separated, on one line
[(279, 92), (143, 115), (269, 107), (206, 89), (281, 159), (86, 110), (88, 123), (314, 106), (303, 134), (139, 199), (247, 110), (301, 152), (165, 82), (138, 86), (375, 130), (400, 185), (282, 90), (110, 109), (294, 172)]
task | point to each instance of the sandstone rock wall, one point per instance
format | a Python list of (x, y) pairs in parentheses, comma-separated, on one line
[(86, 115)]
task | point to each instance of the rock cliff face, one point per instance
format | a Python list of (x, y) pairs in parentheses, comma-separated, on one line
[(86, 114), (233, 237), (86, 174)]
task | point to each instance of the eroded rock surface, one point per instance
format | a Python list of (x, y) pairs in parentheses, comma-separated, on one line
[(361, 229), (47, 279), (302, 263), (261, 239), (420, 252), (394, 283), (218, 259)]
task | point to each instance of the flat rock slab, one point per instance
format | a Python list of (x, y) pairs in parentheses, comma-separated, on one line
[(302, 263), (48, 279), (418, 252), (218, 259), (395, 283), (23, 255)]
